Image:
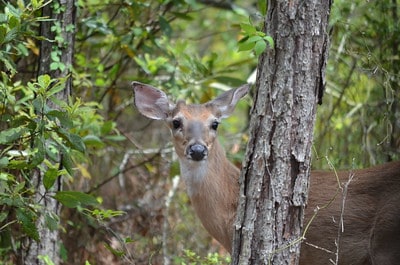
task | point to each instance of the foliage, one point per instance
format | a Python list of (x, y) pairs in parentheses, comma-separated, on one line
[(17, 31), (254, 39), (39, 132), (190, 50), (358, 120), (191, 258), (34, 136)]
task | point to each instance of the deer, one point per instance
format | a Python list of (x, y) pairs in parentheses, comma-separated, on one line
[(369, 232)]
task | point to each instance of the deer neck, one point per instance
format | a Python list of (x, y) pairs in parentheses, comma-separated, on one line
[(213, 188)]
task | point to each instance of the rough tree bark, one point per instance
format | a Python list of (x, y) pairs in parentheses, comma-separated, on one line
[(394, 142), (275, 175), (62, 14)]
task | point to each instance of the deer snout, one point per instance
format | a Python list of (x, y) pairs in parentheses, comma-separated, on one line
[(197, 152)]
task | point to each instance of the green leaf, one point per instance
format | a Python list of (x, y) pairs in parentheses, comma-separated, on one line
[(38, 104), (27, 219), (8, 62), (18, 164), (107, 127), (19, 187), (54, 66), (11, 35), (73, 199), (52, 152), (52, 221), (254, 38), (270, 41), (35, 4), (62, 67), (46, 259), (55, 89), (260, 47), (4, 162), (142, 63), (62, 116), (115, 138), (22, 49), (63, 253), (93, 140), (262, 7), (3, 32), (23, 121), (228, 80), (44, 81), (165, 26), (13, 11), (50, 176), (66, 160), (39, 153), (55, 56), (10, 135), (73, 141), (77, 142), (245, 46), (3, 177), (248, 28)]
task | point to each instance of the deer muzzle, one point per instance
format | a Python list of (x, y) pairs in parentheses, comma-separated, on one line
[(197, 152)]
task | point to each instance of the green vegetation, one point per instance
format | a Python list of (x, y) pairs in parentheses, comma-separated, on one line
[(357, 124), (112, 158)]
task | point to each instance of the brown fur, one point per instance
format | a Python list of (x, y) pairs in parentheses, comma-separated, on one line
[(371, 217)]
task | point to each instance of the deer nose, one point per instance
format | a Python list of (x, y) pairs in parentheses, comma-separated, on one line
[(197, 152)]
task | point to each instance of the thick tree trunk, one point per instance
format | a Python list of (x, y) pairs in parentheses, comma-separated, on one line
[(63, 14), (393, 145), (275, 176)]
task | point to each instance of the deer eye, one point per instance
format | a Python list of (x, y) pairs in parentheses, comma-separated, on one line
[(176, 124), (214, 125)]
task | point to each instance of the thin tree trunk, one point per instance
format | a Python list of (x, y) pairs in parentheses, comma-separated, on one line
[(275, 176), (63, 14)]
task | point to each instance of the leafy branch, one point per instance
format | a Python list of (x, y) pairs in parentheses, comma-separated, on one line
[(254, 39)]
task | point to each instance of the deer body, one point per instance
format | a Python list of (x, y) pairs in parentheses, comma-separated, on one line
[(371, 213), (371, 217)]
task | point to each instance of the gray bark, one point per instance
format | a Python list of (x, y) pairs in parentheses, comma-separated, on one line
[(393, 146), (49, 243), (275, 175)]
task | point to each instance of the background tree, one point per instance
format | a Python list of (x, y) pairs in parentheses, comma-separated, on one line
[(60, 27), (43, 131), (274, 181)]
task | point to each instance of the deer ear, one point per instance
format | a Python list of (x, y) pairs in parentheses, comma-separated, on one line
[(151, 102), (226, 102)]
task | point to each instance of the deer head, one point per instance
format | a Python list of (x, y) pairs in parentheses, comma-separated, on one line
[(193, 127)]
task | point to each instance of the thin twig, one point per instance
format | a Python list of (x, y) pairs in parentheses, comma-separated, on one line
[(99, 185), (345, 187), (165, 231)]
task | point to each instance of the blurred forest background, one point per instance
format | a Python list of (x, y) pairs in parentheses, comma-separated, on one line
[(190, 49)]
